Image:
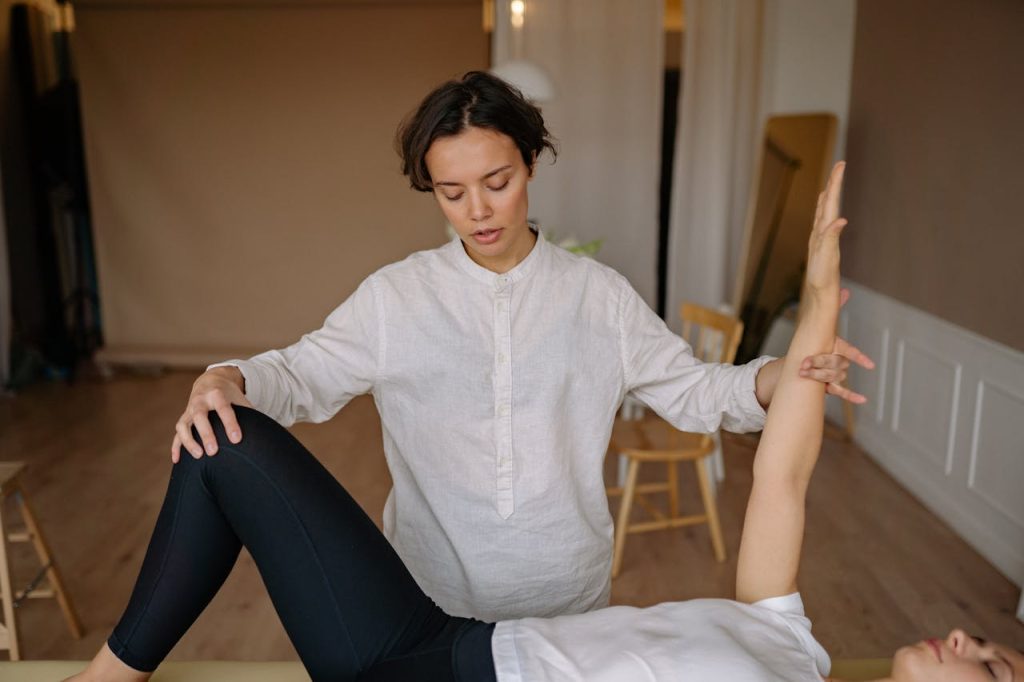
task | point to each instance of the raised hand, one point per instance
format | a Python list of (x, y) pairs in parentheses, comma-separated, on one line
[(822, 277), (822, 282)]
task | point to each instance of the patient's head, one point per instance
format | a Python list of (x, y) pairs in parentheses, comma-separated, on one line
[(958, 658)]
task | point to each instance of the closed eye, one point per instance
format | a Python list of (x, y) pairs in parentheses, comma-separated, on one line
[(499, 187), (998, 668)]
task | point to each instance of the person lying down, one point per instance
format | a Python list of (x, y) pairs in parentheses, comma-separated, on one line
[(354, 612)]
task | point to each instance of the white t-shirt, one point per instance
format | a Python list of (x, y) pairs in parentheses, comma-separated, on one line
[(497, 395), (702, 640)]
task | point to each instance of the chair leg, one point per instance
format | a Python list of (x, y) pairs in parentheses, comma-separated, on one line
[(710, 508), (46, 559), (10, 627), (673, 490), (622, 523)]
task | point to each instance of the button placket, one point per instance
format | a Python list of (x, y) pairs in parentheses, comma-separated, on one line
[(503, 397)]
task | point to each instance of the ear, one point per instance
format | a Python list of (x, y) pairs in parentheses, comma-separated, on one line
[(533, 164)]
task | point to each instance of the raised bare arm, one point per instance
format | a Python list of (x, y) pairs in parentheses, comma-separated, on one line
[(773, 531)]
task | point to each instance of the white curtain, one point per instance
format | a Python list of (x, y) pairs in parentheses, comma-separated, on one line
[(605, 59), (719, 125)]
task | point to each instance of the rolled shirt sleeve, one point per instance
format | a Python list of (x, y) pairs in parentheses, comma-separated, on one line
[(316, 376), (661, 371)]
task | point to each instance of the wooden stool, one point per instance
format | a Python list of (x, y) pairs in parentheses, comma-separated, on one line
[(714, 337), (633, 443), (11, 486)]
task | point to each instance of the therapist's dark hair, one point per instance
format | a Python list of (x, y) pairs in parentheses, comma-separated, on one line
[(477, 100)]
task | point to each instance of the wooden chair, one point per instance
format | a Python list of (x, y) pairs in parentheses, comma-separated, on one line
[(714, 338), (10, 486)]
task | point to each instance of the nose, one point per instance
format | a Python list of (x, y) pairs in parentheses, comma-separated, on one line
[(479, 207), (958, 641)]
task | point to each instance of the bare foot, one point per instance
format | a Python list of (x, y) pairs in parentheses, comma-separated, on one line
[(106, 667)]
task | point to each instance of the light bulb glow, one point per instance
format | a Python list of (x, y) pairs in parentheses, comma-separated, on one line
[(518, 10)]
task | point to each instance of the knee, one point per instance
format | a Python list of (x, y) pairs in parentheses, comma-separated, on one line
[(254, 425)]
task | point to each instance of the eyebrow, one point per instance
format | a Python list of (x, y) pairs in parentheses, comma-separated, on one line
[(488, 175)]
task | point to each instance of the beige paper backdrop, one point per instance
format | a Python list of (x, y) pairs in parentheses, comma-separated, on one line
[(241, 164)]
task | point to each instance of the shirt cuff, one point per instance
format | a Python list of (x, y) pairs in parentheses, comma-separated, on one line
[(748, 395)]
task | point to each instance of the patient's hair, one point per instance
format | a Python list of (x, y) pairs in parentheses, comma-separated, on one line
[(477, 100)]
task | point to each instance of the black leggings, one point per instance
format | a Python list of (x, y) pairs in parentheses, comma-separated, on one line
[(349, 605)]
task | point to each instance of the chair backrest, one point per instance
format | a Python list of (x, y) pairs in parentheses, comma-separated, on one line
[(714, 336)]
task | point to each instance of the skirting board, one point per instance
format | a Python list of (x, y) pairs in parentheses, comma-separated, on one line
[(944, 417)]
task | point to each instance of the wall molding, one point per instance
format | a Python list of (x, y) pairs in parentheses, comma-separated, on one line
[(944, 418)]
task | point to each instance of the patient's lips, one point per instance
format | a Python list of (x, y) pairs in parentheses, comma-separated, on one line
[(934, 643)]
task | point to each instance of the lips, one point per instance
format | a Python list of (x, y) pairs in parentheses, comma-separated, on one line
[(934, 644), (487, 235)]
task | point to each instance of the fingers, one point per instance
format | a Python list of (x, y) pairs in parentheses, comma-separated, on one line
[(829, 361), (227, 417), (846, 394), (832, 370), (827, 369), (206, 435), (844, 296), (198, 417), (183, 429), (853, 354), (825, 375)]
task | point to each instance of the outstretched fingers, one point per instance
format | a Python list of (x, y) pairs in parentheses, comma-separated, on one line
[(845, 393), (853, 354)]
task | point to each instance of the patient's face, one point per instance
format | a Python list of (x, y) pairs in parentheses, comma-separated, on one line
[(958, 658)]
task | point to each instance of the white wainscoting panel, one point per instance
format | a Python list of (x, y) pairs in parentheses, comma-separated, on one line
[(993, 477), (946, 418), (925, 396)]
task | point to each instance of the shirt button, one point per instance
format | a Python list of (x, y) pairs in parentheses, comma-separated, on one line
[(503, 410), (501, 357)]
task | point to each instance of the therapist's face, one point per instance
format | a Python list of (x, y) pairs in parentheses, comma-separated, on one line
[(480, 183)]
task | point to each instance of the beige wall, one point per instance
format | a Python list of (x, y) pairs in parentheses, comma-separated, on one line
[(806, 56), (935, 177), (242, 172)]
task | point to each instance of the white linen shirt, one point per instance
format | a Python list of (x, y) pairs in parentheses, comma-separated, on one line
[(497, 394), (690, 641)]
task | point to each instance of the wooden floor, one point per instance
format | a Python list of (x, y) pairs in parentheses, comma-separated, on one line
[(879, 570)]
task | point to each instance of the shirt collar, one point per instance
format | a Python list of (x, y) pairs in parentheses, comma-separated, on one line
[(499, 281)]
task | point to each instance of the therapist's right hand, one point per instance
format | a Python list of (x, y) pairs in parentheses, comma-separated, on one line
[(215, 390)]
